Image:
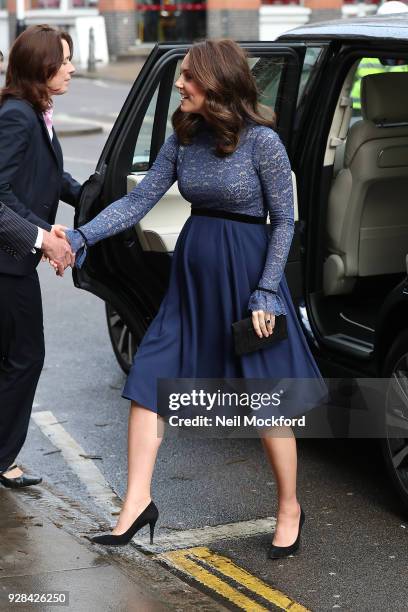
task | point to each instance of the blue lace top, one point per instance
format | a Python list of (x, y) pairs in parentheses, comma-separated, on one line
[(254, 180)]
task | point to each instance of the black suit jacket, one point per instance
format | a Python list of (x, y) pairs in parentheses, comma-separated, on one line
[(17, 235), (32, 178)]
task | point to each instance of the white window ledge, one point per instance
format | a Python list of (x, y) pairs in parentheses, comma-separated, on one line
[(275, 20), (358, 10), (58, 13)]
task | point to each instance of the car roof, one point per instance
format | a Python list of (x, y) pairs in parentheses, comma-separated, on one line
[(380, 27)]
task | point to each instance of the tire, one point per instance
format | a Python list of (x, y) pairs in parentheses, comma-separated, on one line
[(125, 341), (395, 447)]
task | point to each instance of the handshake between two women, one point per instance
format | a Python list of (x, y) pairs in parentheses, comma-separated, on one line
[(57, 250)]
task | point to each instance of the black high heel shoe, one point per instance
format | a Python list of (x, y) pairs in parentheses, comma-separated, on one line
[(278, 552), (148, 516), (20, 481)]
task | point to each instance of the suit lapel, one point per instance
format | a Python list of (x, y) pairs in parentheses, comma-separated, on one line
[(56, 152)]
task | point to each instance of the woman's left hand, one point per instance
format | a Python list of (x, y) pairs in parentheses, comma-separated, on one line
[(263, 323)]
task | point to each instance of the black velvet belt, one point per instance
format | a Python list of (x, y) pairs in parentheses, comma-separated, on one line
[(226, 214)]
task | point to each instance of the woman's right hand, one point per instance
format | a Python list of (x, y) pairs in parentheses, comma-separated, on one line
[(78, 246), (59, 230), (76, 242), (54, 251), (74, 238)]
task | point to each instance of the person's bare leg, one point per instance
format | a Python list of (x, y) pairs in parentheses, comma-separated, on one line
[(14, 473), (280, 449), (144, 438)]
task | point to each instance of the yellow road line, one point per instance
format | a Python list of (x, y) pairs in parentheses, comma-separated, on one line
[(185, 560), (180, 560), (228, 568)]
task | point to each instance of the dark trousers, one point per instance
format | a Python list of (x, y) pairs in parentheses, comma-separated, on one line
[(21, 359)]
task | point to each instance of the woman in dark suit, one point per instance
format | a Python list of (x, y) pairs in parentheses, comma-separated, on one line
[(32, 181)]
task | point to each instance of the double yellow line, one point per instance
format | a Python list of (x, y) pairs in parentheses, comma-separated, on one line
[(217, 573)]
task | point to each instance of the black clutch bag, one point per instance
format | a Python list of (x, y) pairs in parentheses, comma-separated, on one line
[(246, 339)]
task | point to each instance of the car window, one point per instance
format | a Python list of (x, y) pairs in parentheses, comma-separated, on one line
[(267, 72), (141, 154), (312, 56), (372, 65)]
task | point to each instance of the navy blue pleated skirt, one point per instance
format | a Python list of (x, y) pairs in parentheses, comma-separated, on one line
[(217, 264)]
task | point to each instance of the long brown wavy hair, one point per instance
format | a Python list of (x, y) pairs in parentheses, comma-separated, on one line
[(35, 57), (220, 68)]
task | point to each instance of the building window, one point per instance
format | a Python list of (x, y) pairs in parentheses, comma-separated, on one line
[(56, 4), (171, 20), (282, 2), (83, 3), (44, 4), (361, 1)]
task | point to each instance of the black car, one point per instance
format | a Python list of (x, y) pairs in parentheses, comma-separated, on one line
[(347, 264)]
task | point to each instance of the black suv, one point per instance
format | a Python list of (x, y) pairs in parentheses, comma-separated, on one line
[(340, 91)]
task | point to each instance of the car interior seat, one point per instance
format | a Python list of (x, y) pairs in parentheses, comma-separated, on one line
[(367, 216)]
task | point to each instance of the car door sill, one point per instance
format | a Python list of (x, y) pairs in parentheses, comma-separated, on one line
[(348, 344)]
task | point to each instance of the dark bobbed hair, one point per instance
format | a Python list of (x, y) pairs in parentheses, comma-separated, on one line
[(35, 57), (220, 68)]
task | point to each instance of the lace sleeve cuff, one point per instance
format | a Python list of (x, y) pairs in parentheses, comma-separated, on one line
[(78, 246), (266, 301)]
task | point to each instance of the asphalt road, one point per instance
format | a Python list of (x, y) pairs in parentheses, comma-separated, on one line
[(354, 554)]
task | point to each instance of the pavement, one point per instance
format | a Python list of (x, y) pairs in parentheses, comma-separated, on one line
[(124, 71), (47, 561)]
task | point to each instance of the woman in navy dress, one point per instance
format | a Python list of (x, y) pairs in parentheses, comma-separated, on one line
[(231, 165)]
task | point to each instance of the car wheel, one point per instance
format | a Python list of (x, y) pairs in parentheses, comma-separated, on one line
[(124, 341), (395, 442)]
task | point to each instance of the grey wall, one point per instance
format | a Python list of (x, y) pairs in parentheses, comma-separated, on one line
[(120, 31), (324, 14), (240, 25)]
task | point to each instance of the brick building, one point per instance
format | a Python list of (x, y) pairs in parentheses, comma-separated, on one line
[(134, 21), (240, 19)]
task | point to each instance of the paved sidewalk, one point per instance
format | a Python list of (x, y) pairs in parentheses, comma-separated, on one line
[(124, 71), (44, 550), (121, 71), (76, 128)]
